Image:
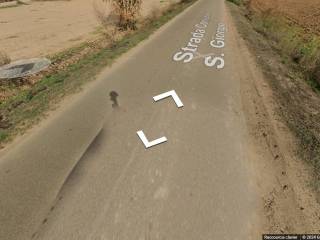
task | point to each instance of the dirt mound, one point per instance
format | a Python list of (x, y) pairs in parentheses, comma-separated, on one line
[(305, 13)]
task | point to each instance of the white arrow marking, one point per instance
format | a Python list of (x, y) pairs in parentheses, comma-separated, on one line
[(172, 94), (146, 142)]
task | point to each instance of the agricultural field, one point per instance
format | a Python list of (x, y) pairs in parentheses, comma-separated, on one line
[(306, 13), (42, 28)]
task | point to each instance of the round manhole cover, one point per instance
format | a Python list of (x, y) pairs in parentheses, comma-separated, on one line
[(24, 68)]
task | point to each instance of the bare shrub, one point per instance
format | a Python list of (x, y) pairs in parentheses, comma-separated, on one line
[(4, 58), (127, 12), (108, 20)]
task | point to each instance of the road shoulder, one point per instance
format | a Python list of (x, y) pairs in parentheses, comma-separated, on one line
[(288, 203)]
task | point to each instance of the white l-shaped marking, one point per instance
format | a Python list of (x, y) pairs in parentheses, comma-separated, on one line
[(172, 94), (146, 142)]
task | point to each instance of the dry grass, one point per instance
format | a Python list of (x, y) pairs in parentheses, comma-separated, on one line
[(296, 44), (303, 13), (4, 58), (108, 21), (293, 42), (288, 56)]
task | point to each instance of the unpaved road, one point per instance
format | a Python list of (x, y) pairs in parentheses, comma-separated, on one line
[(197, 185)]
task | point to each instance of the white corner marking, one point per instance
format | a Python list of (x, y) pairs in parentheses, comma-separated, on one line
[(146, 142), (172, 94)]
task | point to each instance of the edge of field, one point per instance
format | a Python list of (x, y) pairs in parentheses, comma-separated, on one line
[(283, 111), (72, 69)]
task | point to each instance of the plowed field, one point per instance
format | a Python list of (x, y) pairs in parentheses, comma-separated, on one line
[(304, 12)]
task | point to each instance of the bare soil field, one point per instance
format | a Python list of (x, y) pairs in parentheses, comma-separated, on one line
[(42, 28), (305, 13), (45, 27)]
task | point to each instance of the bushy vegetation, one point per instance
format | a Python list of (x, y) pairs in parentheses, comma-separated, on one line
[(293, 42), (127, 12), (237, 2), (4, 58)]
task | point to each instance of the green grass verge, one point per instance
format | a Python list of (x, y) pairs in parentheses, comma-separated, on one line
[(274, 40), (294, 44), (237, 2), (27, 108)]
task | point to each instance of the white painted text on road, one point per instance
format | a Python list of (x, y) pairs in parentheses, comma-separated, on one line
[(187, 53)]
